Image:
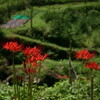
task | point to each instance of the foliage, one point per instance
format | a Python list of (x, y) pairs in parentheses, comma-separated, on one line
[(60, 91), (63, 91), (11, 6), (93, 40), (63, 65), (19, 5), (49, 2), (72, 24)]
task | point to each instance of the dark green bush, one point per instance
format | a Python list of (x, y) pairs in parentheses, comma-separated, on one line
[(18, 5), (14, 6), (44, 2), (76, 24)]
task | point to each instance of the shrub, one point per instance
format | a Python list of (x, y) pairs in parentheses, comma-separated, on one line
[(75, 24), (45, 2), (60, 91)]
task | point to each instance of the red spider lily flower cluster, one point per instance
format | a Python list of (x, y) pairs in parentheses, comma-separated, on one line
[(84, 54), (80, 78), (92, 65), (62, 77), (12, 46), (33, 56)]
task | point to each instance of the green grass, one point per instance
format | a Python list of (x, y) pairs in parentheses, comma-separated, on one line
[(51, 45), (54, 65), (37, 41)]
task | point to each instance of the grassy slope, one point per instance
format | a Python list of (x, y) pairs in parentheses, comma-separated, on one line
[(39, 23)]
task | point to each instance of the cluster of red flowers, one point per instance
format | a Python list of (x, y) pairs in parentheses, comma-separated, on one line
[(13, 46), (33, 55), (62, 77), (80, 78), (86, 55), (92, 65)]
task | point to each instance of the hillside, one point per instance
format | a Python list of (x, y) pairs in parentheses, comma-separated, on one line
[(42, 28)]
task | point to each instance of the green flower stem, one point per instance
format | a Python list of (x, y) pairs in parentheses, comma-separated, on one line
[(14, 75), (81, 67), (38, 75), (30, 87), (18, 92), (24, 86), (80, 78), (92, 78), (70, 65), (78, 89), (31, 83)]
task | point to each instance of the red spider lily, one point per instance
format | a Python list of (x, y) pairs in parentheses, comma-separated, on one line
[(99, 66), (12, 46), (44, 56), (32, 51), (31, 61), (62, 77), (83, 79), (34, 54), (84, 54), (35, 64), (41, 57), (35, 51), (92, 65), (65, 76), (29, 70)]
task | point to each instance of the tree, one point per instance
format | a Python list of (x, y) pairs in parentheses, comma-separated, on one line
[(31, 17), (8, 8)]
